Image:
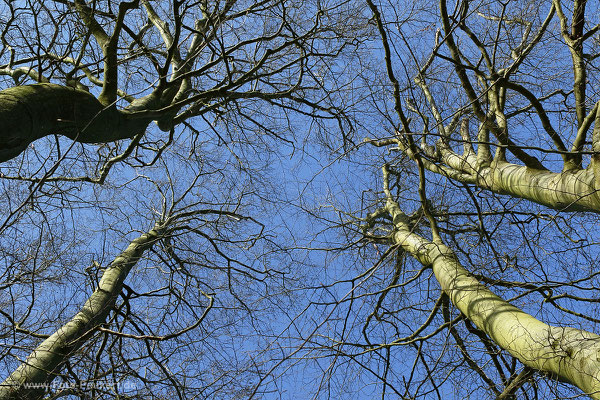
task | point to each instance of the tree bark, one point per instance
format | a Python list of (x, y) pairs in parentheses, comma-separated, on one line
[(30, 112), (571, 190), (31, 379), (569, 354), (566, 191)]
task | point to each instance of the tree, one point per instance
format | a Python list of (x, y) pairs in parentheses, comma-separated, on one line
[(136, 260), (484, 223), (154, 243)]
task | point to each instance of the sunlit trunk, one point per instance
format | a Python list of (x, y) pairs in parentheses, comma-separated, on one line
[(30, 379), (569, 191), (572, 355)]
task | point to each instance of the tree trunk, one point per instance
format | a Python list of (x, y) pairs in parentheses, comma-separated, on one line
[(31, 379), (566, 191), (569, 354), (30, 112)]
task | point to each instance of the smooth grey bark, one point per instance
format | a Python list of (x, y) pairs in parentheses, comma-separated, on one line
[(32, 377), (572, 355), (570, 190), (30, 112)]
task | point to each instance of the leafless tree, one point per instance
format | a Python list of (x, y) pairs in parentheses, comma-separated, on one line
[(140, 188), (483, 220), (145, 193)]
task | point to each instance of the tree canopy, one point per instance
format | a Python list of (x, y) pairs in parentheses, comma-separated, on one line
[(285, 199)]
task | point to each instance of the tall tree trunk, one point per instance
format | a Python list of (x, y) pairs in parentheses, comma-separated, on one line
[(30, 379), (571, 355)]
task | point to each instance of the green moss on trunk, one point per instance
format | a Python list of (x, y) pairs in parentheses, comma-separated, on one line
[(30, 112)]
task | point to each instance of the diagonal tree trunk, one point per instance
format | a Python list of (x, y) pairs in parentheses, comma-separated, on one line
[(566, 191), (571, 355), (31, 378)]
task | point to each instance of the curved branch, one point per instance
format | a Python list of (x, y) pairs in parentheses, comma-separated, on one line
[(28, 113), (568, 161)]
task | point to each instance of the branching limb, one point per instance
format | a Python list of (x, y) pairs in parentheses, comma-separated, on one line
[(500, 134), (568, 161), (574, 39), (108, 44), (568, 353), (522, 51)]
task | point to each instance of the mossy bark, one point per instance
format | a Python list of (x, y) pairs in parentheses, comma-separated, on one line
[(30, 112), (572, 355)]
